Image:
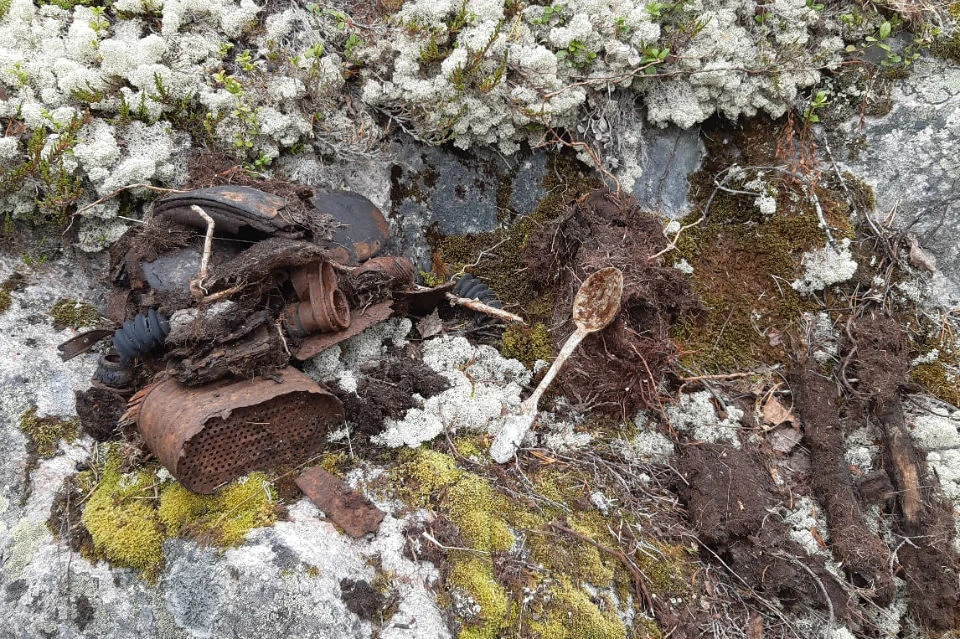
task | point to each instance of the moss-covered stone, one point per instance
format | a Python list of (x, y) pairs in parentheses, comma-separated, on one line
[(223, 518), (129, 515), (570, 614), (74, 314), (45, 432), (122, 520)]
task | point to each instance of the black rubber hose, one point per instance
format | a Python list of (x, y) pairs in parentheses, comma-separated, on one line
[(470, 287), (111, 372), (141, 335)]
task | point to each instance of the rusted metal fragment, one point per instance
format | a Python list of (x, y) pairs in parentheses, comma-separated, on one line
[(231, 207), (364, 230), (322, 307), (359, 320), (344, 506), (82, 343), (206, 436)]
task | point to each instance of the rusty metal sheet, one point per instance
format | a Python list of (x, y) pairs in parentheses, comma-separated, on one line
[(359, 320), (82, 343), (231, 207), (344, 506), (364, 230), (207, 436), (420, 301)]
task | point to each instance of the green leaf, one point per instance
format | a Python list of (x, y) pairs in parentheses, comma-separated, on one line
[(850, 48), (870, 39), (884, 30)]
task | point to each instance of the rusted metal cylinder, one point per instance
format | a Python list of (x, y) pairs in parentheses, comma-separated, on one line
[(398, 269), (209, 435), (323, 307)]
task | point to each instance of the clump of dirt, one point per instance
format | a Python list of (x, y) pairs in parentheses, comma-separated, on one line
[(361, 599), (864, 556), (619, 367), (386, 389), (100, 410), (881, 362), (729, 497)]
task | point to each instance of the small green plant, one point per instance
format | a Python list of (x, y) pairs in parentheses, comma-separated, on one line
[(245, 60), (816, 6), (20, 73), (577, 55), (99, 23), (620, 27), (350, 47), (549, 13), (818, 101), (258, 165), (249, 126), (655, 9), (228, 82)]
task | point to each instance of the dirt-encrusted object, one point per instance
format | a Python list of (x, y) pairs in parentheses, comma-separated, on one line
[(210, 435), (729, 498), (99, 410), (361, 598), (345, 507), (881, 361), (863, 555), (621, 365)]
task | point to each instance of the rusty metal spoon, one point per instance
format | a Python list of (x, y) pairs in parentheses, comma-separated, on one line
[(596, 304)]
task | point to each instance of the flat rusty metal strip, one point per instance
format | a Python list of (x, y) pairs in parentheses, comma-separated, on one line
[(344, 506), (82, 343), (231, 207), (359, 321)]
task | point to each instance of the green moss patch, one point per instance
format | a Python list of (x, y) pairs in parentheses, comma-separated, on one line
[(527, 343), (74, 314), (129, 515), (45, 432), (505, 547)]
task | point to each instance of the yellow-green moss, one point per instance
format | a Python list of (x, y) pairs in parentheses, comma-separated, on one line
[(670, 569), (122, 520), (477, 511), (570, 614), (45, 432), (947, 46), (527, 344), (5, 300), (224, 517), (938, 381), (423, 474), (334, 462), (473, 574), (73, 313), (128, 523)]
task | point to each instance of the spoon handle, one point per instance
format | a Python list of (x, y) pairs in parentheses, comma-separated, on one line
[(529, 405)]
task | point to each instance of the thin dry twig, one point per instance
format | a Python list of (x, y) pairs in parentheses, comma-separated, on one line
[(196, 285), (480, 307)]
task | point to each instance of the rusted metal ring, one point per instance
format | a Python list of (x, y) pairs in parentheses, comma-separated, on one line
[(323, 307)]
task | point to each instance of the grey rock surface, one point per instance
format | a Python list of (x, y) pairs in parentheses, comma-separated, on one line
[(670, 155), (911, 157), (281, 582)]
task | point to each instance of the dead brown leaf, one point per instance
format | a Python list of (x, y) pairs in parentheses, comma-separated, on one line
[(774, 413), (430, 325)]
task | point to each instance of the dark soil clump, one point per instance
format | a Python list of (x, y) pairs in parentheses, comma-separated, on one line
[(619, 367), (386, 390), (729, 498), (100, 410), (361, 599), (864, 556)]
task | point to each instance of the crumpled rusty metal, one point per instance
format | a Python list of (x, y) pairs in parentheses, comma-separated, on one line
[(360, 320), (207, 436)]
